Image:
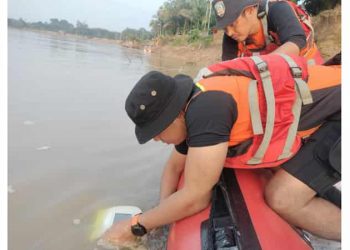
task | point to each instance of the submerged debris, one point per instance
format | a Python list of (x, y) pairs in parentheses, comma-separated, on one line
[(103, 245), (155, 240)]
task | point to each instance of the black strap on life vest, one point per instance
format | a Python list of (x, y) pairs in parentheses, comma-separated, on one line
[(229, 225)]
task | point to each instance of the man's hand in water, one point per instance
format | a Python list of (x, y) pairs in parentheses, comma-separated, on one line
[(119, 233)]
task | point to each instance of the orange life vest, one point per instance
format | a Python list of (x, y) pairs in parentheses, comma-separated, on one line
[(269, 104), (264, 42)]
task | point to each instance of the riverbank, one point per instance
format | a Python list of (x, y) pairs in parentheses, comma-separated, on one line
[(328, 31)]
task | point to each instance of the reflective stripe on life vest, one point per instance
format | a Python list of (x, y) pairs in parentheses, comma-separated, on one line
[(270, 105), (255, 115), (303, 96)]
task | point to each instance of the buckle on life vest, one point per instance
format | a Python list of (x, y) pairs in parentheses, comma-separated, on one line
[(262, 66), (263, 69), (261, 14), (296, 72)]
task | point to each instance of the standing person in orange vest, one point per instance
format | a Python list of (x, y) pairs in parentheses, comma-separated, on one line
[(264, 26), (267, 111)]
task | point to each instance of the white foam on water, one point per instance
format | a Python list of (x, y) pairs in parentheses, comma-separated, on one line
[(76, 221), (28, 123), (10, 189), (43, 148)]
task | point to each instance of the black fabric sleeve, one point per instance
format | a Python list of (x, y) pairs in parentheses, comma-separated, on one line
[(282, 20), (326, 103), (229, 48), (209, 119)]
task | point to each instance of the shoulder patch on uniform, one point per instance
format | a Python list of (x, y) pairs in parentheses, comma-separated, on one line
[(219, 8)]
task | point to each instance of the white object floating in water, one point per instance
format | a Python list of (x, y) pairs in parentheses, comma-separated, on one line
[(76, 221), (43, 148), (10, 189), (28, 123), (106, 217)]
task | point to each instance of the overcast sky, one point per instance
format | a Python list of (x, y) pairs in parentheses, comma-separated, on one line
[(114, 15)]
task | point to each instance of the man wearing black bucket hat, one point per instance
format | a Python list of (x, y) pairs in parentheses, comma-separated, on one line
[(264, 26), (199, 123), (169, 94)]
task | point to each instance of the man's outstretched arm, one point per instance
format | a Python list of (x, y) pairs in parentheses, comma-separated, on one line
[(202, 171), (171, 174)]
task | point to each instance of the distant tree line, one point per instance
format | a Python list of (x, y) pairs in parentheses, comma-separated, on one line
[(81, 29)]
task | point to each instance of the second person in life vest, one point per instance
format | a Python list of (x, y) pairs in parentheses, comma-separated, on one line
[(255, 27)]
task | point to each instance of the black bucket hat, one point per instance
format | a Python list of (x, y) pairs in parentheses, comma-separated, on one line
[(227, 11), (155, 101)]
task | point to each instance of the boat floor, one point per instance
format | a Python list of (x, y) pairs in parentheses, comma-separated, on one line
[(323, 244)]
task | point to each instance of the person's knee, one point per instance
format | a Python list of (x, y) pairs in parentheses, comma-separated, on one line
[(279, 199), (285, 194)]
